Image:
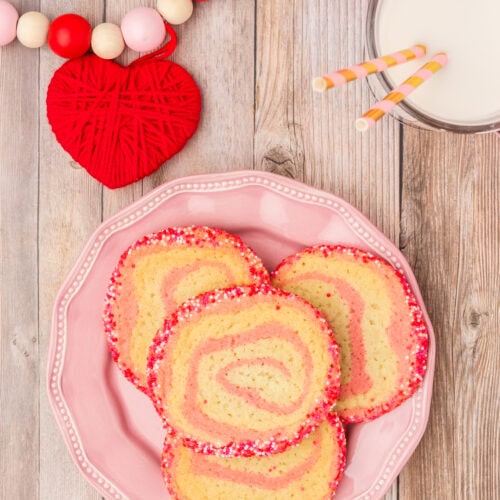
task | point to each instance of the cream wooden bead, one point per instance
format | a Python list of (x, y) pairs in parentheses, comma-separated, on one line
[(175, 11), (107, 41), (32, 29)]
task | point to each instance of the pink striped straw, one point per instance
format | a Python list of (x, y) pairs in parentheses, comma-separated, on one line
[(367, 68), (398, 94)]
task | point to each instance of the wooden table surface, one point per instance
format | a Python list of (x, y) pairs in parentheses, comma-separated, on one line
[(435, 195)]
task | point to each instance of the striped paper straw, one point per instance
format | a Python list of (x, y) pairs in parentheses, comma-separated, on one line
[(367, 68), (398, 94)]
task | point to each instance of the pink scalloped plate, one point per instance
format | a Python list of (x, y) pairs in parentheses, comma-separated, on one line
[(110, 428)]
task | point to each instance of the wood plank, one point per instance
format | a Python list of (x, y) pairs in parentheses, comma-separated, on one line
[(393, 493), (217, 47), (19, 343), (70, 210), (222, 69), (451, 235), (308, 136)]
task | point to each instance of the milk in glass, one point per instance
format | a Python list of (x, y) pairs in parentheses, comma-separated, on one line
[(467, 91)]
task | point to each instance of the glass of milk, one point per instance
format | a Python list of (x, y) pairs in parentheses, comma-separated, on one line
[(465, 95)]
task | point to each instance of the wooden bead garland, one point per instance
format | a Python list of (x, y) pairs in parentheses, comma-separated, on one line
[(71, 36), (120, 123)]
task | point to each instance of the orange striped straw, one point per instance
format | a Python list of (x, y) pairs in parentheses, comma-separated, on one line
[(398, 94), (367, 68)]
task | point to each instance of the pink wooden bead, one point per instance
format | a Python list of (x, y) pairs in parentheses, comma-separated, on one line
[(143, 29), (8, 22)]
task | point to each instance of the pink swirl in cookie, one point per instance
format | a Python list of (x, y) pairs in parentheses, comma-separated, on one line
[(376, 320), (194, 414), (359, 380), (252, 395), (244, 371)]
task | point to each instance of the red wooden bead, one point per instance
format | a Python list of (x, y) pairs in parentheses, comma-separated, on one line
[(70, 36)]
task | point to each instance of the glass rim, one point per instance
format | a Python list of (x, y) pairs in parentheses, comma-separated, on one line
[(420, 117)]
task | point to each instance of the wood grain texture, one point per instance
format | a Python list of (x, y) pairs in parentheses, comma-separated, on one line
[(217, 47), (19, 347), (309, 136), (436, 195), (69, 211), (451, 235)]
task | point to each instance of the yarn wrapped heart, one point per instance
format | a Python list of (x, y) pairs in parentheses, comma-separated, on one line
[(122, 123)]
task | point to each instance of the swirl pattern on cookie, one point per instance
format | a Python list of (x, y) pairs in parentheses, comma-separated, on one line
[(244, 371), (376, 320), (158, 273), (311, 469)]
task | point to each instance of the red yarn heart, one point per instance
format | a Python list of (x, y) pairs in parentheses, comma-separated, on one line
[(121, 123)]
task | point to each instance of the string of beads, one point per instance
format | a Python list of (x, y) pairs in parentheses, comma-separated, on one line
[(70, 35)]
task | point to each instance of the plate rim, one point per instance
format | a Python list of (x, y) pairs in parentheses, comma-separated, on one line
[(219, 182)]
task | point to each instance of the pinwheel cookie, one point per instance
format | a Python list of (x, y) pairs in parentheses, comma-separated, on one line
[(312, 469), (376, 320), (244, 371), (159, 272)]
